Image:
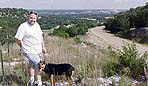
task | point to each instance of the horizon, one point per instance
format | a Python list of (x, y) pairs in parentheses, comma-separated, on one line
[(69, 9), (72, 4)]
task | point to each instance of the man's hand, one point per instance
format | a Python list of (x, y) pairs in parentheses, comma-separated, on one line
[(19, 43), (44, 51)]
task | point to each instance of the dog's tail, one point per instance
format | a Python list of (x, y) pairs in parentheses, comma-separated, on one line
[(71, 68)]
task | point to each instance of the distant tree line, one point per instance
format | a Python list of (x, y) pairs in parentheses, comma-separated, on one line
[(48, 22)]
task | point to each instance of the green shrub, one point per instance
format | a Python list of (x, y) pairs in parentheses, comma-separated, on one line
[(72, 31), (60, 33), (110, 68), (77, 40), (130, 58), (126, 62), (111, 65)]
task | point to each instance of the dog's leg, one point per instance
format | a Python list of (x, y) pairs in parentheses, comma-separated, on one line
[(72, 75), (69, 81), (70, 78), (146, 74), (52, 80), (146, 71)]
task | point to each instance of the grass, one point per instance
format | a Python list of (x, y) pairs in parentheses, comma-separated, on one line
[(87, 59)]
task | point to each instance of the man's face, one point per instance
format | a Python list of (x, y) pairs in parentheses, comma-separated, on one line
[(32, 18)]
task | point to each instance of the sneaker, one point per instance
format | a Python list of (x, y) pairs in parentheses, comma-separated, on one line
[(31, 81), (30, 84), (38, 83)]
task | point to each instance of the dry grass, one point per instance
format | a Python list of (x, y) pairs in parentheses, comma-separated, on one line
[(85, 58)]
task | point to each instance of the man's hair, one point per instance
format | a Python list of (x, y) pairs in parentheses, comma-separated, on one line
[(33, 12)]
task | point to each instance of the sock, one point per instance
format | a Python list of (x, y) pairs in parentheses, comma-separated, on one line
[(39, 80), (31, 81)]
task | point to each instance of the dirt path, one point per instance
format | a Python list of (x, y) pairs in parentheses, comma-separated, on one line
[(101, 38)]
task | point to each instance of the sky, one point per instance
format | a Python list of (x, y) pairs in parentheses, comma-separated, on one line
[(72, 4)]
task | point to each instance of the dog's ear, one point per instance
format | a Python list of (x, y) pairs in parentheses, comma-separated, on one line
[(44, 62)]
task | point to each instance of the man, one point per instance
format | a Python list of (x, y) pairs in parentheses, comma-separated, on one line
[(30, 39)]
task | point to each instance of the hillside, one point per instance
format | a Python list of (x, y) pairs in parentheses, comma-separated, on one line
[(131, 22), (104, 39), (86, 58)]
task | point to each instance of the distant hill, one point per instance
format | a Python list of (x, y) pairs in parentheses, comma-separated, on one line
[(52, 18), (12, 17), (80, 12)]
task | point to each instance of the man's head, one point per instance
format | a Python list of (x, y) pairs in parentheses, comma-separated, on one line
[(32, 17)]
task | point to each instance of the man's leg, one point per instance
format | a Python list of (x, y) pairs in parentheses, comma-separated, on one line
[(37, 71), (38, 76), (33, 60), (31, 74)]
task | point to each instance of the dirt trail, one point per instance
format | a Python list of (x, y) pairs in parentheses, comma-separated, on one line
[(102, 38)]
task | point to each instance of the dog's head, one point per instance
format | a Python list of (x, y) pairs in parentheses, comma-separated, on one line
[(42, 65)]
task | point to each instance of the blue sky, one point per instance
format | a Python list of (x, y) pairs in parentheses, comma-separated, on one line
[(72, 4)]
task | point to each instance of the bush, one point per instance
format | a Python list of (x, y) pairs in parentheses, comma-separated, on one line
[(72, 31), (111, 64), (126, 62), (60, 33), (78, 40)]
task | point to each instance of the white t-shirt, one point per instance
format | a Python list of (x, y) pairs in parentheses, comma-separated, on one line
[(31, 38)]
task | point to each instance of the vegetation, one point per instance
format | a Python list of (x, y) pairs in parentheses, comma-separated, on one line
[(122, 23), (74, 30), (87, 60), (48, 22), (126, 62), (10, 18)]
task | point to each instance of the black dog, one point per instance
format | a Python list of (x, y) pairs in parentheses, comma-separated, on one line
[(57, 70)]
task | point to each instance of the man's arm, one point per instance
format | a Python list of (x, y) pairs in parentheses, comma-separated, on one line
[(43, 48), (43, 45)]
